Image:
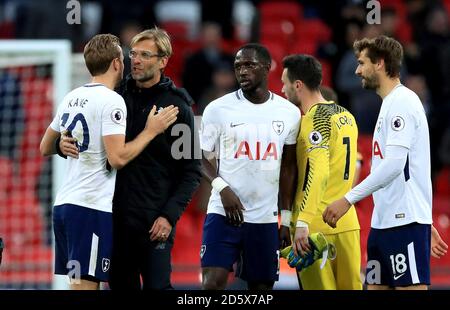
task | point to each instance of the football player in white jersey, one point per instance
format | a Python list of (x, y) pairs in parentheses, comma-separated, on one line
[(253, 134), (401, 236), (95, 116)]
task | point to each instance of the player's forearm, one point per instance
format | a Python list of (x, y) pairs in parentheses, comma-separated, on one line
[(287, 194), (208, 169), (128, 151), (47, 146), (288, 176), (287, 189), (47, 149), (390, 168)]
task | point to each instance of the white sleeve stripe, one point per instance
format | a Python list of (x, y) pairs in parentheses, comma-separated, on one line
[(412, 264), (94, 253)]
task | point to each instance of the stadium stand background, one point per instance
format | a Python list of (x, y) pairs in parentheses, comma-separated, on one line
[(285, 27)]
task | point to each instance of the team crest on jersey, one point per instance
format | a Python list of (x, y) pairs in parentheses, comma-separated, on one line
[(117, 116), (315, 137), (202, 250), (278, 126), (397, 123), (105, 264), (379, 123)]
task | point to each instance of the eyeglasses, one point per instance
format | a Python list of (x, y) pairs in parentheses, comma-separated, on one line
[(145, 55)]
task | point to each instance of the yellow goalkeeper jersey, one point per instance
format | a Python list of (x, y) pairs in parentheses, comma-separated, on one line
[(326, 161)]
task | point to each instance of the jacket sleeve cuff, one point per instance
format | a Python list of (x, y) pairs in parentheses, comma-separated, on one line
[(172, 217)]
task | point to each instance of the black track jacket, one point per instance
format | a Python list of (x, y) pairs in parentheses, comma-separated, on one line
[(154, 183)]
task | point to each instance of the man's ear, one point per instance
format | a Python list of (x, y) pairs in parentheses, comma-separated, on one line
[(164, 61), (299, 85), (116, 64), (380, 64)]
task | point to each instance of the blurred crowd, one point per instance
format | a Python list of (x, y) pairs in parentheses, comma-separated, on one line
[(205, 35)]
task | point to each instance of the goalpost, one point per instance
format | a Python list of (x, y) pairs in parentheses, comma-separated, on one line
[(34, 77)]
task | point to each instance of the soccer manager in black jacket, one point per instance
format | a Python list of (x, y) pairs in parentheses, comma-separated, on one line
[(153, 190)]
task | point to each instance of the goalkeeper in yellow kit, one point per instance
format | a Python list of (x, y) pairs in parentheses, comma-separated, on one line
[(326, 161)]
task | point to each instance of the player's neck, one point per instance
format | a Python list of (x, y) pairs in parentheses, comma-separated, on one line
[(258, 96), (387, 85), (105, 80), (311, 100)]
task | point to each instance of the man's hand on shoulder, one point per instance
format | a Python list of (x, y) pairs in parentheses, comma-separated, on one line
[(159, 121)]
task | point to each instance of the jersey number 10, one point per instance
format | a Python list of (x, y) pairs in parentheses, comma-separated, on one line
[(78, 118)]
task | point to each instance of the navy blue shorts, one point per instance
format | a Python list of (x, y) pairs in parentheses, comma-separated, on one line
[(255, 247), (399, 256), (83, 241)]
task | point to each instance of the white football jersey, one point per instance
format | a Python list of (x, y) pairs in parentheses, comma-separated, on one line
[(89, 113), (408, 198), (248, 140)]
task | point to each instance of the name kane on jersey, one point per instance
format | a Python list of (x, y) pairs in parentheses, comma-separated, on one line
[(77, 102)]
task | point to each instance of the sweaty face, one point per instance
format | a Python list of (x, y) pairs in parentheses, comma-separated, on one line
[(289, 88), (143, 67), (366, 70), (249, 70)]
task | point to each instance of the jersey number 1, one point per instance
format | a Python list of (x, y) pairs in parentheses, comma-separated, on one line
[(346, 141), (78, 118)]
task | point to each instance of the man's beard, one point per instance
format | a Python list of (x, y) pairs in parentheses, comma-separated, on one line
[(371, 82), (145, 76), (295, 100)]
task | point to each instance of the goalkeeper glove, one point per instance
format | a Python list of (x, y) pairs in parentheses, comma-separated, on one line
[(320, 249)]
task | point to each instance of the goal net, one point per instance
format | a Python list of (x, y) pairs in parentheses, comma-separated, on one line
[(34, 77)]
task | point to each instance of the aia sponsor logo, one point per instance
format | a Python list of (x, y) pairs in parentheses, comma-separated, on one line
[(260, 152)]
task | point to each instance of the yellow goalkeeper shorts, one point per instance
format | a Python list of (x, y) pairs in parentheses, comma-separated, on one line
[(342, 273)]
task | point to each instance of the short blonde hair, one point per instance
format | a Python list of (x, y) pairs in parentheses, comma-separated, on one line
[(100, 51), (159, 36)]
